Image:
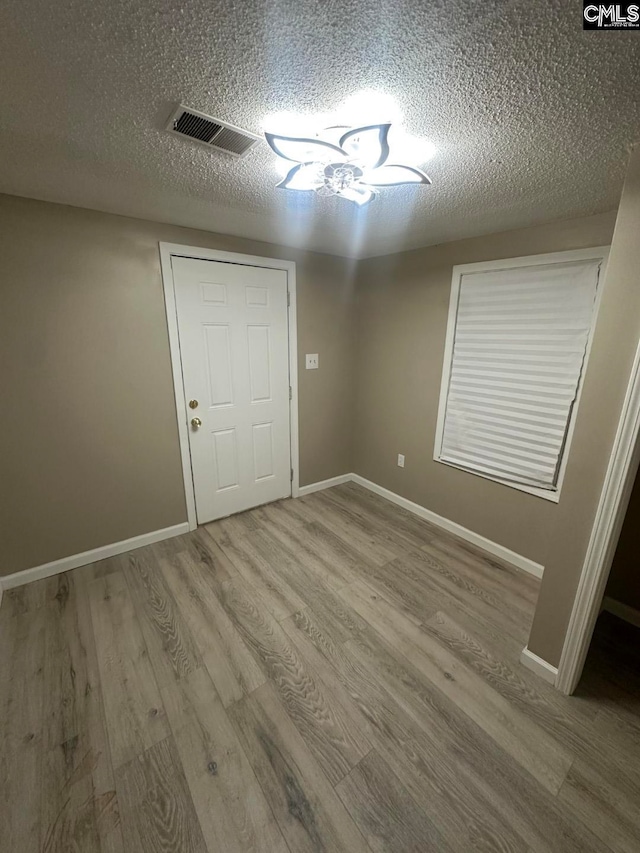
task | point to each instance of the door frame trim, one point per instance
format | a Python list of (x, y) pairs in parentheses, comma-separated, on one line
[(167, 252), (612, 507)]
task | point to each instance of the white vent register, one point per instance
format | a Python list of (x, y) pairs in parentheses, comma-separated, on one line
[(517, 344), (211, 132)]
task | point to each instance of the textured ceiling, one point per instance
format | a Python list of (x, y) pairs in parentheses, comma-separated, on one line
[(532, 116)]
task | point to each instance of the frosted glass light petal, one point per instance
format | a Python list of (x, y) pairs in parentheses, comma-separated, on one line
[(306, 176), (358, 194), (394, 175), (301, 150), (333, 134), (367, 146)]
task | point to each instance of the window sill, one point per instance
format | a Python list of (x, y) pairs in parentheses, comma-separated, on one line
[(545, 494)]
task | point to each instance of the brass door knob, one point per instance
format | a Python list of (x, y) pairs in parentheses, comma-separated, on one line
[(196, 423)]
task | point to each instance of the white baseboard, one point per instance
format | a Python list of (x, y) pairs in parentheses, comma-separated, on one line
[(622, 611), (538, 665), (324, 484), (476, 539), (76, 560)]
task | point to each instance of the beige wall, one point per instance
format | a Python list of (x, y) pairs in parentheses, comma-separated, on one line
[(89, 437), (401, 318), (624, 580), (88, 433), (614, 345)]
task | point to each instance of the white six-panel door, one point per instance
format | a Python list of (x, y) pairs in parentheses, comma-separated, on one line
[(234, 349)]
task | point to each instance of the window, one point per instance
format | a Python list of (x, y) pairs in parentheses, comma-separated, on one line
[(517, 343)]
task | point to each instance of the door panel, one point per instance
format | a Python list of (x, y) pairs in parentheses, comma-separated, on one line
[(225, 459), (259, 345), (234, 348), (218, 362), (263, 451)]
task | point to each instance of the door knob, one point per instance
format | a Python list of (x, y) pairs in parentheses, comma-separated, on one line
[(196, 423)]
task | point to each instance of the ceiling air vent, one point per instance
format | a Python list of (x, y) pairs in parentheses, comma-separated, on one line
[(212, 132)]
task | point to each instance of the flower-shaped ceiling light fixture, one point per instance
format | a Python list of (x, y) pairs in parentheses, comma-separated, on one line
[(350, 162)]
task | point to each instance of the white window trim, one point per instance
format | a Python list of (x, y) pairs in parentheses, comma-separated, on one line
[(599, 253)]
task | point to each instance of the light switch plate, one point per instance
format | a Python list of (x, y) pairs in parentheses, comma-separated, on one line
[(312, 361), (400, 460)]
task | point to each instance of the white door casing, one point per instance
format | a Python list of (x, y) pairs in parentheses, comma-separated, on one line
[(232, 324)]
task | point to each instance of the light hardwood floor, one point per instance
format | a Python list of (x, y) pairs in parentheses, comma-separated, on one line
[(327, 674)]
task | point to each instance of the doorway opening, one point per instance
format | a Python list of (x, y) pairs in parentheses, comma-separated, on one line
[(610, 515)]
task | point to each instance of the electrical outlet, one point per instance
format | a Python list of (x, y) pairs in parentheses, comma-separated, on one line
[(311, 361), (400, 460)]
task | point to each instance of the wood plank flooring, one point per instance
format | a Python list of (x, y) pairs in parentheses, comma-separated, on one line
[(328, 675)]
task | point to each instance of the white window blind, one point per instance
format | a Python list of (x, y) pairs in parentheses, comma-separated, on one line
[(518, 352)]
